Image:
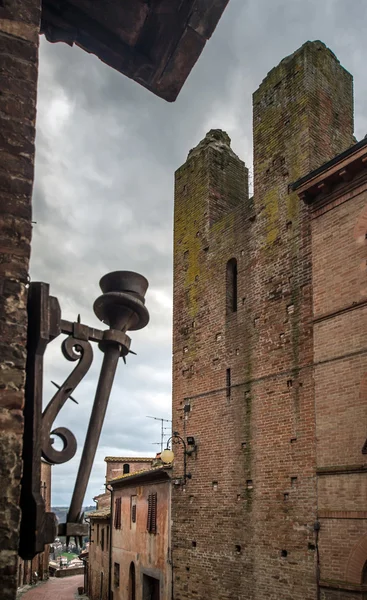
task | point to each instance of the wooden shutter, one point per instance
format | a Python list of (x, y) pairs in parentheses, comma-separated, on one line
[(133, 513), (117, 519), (152, 513), (149, 511)]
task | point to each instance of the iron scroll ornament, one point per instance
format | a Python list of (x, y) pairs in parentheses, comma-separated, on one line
[(122, 307), (72, 349)]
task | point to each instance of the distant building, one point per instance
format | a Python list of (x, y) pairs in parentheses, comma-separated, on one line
[(140, 535), (123, 465), (97, 584), (134, 540)]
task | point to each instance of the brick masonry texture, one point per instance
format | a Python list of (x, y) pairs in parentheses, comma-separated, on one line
[(243, 526), (19, 26), (339, 251)]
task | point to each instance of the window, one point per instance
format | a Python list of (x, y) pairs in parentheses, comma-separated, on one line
[(97, 534), (228, 383), (132, 594), (107, 536), (117, 520), (102, 539), (133, 509), (152, 513), (126, 469), (231, 286), (116, 574)]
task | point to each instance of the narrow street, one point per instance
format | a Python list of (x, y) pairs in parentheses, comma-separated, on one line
[(56, 588)]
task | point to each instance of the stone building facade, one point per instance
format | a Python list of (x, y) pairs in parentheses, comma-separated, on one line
[(32, 571), (274, 506)]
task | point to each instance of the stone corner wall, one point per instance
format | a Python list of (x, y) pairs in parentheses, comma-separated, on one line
[(19, 29)]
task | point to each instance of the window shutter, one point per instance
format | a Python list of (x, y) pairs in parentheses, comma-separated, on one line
[(152, 513), (133, 513), (149, 511), (117, 520), (153, 528)]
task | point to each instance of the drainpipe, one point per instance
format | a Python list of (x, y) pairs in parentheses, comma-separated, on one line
[(316, 528), (110, 489)]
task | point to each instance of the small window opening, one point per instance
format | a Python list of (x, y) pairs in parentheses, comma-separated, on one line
[(228, 383), (284, 553), (116, 575), (133, 509), (126, 469), (231, 286), (117, 520)]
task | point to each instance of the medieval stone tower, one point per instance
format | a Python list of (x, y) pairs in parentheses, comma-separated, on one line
[(245, 525)]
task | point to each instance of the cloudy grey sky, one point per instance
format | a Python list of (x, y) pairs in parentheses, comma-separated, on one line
[(107, 150)]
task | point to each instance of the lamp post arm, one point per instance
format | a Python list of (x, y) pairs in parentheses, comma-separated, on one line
[(176, 436)]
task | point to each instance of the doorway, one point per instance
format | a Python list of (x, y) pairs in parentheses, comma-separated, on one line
[(150, 588)]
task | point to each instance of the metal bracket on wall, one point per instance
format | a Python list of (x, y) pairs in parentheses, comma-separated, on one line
[(122, 307)]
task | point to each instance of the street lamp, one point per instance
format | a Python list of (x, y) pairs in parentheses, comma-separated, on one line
[(122, 307), (167, 456)]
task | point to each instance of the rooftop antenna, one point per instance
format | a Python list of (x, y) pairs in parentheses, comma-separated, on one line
[(163, 428)]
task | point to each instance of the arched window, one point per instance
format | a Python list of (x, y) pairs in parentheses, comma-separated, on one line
[(126, 469), (231, 286), (132, 582)]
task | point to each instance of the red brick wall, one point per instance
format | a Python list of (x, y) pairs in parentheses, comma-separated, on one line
[(19, 26), (339, 251), (253, 489)]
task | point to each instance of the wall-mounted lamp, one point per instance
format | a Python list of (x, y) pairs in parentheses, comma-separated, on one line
[(122, 307), (167, 456)]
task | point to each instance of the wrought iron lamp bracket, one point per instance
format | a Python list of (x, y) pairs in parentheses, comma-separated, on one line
[(177, 439), (122, 307)]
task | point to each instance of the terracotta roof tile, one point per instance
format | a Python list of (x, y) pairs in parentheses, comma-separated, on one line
[(140, 472), (130, 459)]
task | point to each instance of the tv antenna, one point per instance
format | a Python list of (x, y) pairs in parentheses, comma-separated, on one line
[(163, 429)]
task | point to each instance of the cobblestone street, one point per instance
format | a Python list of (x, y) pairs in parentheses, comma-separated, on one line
[(56, 589)]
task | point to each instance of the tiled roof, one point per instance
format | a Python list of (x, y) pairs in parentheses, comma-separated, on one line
[(104, 513), (141, 472), (130, 459)]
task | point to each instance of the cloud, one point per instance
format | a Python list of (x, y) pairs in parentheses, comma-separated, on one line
[(107, 150)]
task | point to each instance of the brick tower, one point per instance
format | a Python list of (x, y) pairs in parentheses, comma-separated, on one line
[(243, 525)]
